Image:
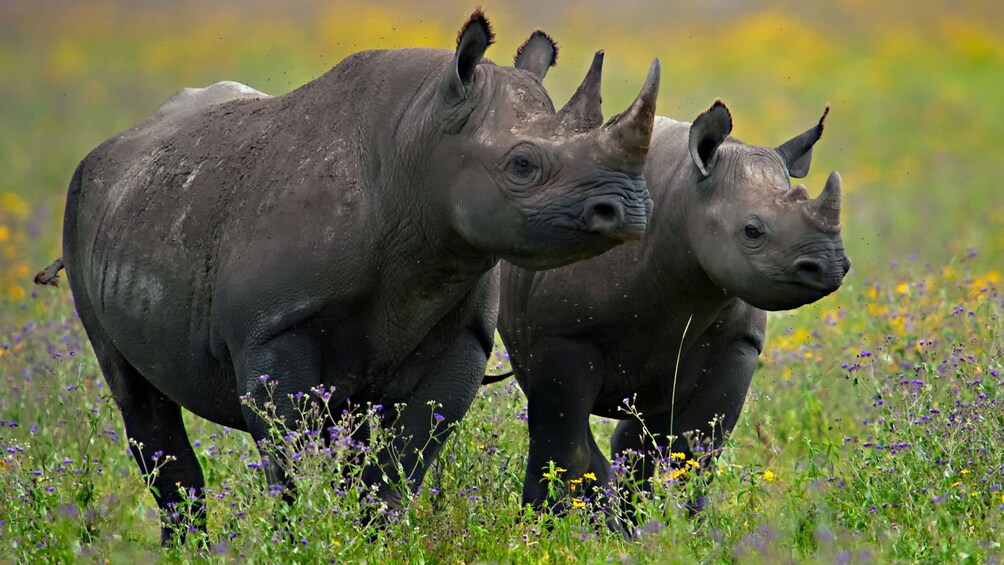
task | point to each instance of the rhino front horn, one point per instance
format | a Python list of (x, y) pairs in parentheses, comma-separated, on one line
[(826, 207), (583, 110), (631, 130)]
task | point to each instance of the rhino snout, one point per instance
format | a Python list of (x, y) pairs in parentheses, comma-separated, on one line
[(609, 218), (818, 275)]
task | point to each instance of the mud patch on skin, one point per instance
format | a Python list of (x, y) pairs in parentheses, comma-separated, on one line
[(191, 176)]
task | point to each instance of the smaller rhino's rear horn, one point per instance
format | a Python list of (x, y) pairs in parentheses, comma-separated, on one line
[(631, 130), (583, 110), (826, 207)]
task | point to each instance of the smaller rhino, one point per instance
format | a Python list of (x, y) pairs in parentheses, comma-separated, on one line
[(675, 322)]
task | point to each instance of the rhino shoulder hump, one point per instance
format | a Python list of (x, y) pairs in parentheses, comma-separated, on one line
[(198, 98)]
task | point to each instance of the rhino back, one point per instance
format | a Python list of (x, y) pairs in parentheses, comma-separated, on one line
[(273, 206)]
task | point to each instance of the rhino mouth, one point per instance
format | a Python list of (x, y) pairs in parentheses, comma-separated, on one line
[(817, 286), (791, 294)]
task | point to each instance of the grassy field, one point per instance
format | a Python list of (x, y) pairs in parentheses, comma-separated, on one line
[(874, 430)]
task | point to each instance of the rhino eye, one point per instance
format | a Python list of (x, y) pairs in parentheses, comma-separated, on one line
[(752, 232), (522, 169)]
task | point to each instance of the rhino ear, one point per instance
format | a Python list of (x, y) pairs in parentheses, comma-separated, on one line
[(472, 42), (537, 54), (707, 132), (797, 151)]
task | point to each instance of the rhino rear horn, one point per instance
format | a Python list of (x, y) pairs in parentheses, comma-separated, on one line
[(707, 133), (583, 110), (537, 54), (472, 42), (797, 151), (631, 130)]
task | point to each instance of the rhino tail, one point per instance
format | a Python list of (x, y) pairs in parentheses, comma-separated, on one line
[(50, 274), (489, 379)]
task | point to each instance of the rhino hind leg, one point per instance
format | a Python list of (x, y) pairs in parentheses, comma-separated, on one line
[(159, 444)]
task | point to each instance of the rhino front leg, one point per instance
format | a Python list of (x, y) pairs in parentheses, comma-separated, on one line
[(270, 373), (445, 391), (561, 386), (710, 411)]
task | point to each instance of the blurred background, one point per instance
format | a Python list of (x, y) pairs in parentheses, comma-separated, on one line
[(916, 128)]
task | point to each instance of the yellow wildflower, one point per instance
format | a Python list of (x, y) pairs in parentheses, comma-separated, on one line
[(903, 288), (555, 475), (578, 503), (590, 476), (964, 472), (678, 456), (769, 476), (16, 292), (4, 233), (14, 204)]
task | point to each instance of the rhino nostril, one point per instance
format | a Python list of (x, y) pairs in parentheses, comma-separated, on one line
[(609, 218), (605, 213), (809, 271), (808, 267)]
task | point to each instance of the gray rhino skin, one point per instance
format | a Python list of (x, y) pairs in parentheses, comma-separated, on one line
[(342, 235), (729, 239)]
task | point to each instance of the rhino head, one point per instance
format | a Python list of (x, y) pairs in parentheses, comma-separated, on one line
[(755, 235), (537, 187)]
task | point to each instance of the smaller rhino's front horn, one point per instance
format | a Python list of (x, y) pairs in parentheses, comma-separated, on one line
[(826, 207), (631, 130)]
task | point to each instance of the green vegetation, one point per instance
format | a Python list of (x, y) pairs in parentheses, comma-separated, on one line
[(875, 425)]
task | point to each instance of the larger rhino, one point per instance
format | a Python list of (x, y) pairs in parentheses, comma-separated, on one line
[(342, 235), (675, 322)]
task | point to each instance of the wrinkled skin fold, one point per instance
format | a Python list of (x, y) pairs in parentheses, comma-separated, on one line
[(729, 238), (344, 234)]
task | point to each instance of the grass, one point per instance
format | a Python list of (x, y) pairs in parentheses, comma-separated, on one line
[(875, 424)]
